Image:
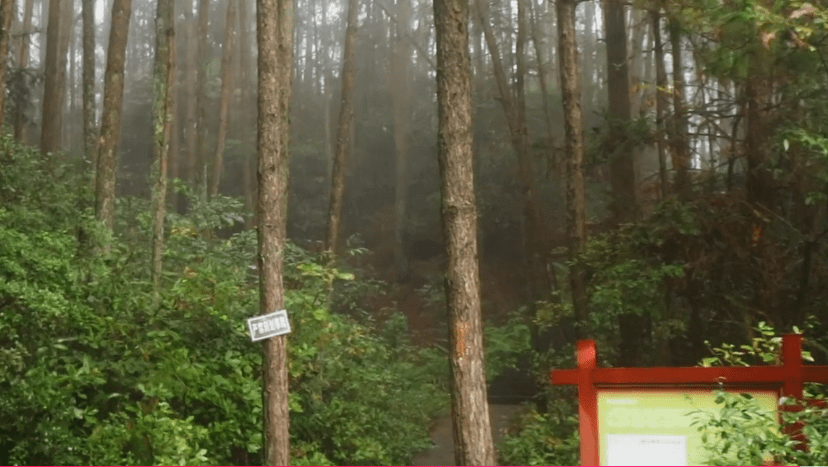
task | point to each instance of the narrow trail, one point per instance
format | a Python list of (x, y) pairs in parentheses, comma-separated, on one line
[(442, 453)]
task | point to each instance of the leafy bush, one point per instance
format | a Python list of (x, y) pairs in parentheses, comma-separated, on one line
[(742, 433), (543, 439), (92, 373)]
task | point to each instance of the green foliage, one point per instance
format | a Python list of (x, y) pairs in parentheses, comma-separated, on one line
[(505, 344), (92, 373), (543, 439), (742, 433)]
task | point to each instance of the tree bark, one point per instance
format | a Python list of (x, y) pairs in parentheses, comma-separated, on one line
[(191, 127), (346, 113), (274, 19), (20, 123), (89, 128), (661, 102), (50, 122), (246, 84), (203, 58), (547, 112), (398, 82), (574, 146), (622, 170), (163, 78), (681, 150), (6, 7), (111, 116), (64, 39), (470, 411), (226, 83)]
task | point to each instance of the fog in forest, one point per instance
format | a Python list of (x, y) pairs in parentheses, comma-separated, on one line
[(394, 70)]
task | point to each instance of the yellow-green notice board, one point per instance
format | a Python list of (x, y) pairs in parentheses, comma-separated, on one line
[(652, 426)]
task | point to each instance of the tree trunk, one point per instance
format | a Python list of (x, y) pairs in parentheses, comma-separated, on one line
[(516, 118), (622, 175), (202, 46), (574, 146), (163, 78), (89, 128), (274, 19), (224, 106), (6, 7), (681, 150), (346, 113), (470, 411), (70, 137), (661, 102), (398, 81), (191, 128), (590, 78), (50, 123), (20, 123), (111, 116), (246, 96), (547, 112), (64, 38)]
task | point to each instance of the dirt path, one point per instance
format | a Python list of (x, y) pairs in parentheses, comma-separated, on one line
[(441, 435)]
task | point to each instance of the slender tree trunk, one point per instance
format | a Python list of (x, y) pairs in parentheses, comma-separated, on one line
[(346, 112), (202, 46), (191, 129), (163, 78), (400, 89), (45, 5), (20, 123), (274, 19), (681, 150), (70, 137), (64, 39), (89, 127), (516, 118), (111, 117), (174, 153), (226, 84), (574, 145), (547, 112), (247, 99), (6, 13), (50, 123), (622, 175), (590, 78), (661, 102), (470, 411)]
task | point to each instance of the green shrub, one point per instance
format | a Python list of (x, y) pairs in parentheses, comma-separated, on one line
[(91, 372), (742, 433)]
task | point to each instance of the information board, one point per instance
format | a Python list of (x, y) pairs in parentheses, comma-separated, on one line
[(652, 426)]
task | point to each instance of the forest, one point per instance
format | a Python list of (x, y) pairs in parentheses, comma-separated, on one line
[(444, 195)]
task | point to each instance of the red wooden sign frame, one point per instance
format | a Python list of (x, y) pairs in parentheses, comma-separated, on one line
[(788, 378)]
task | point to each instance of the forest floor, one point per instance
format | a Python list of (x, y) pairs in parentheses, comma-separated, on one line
[(442, 453)]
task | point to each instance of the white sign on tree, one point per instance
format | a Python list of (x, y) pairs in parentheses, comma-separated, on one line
[(269, 325)]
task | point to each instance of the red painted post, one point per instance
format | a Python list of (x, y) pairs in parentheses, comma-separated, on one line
[(792, 363), (588, 402), (794, 383)]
